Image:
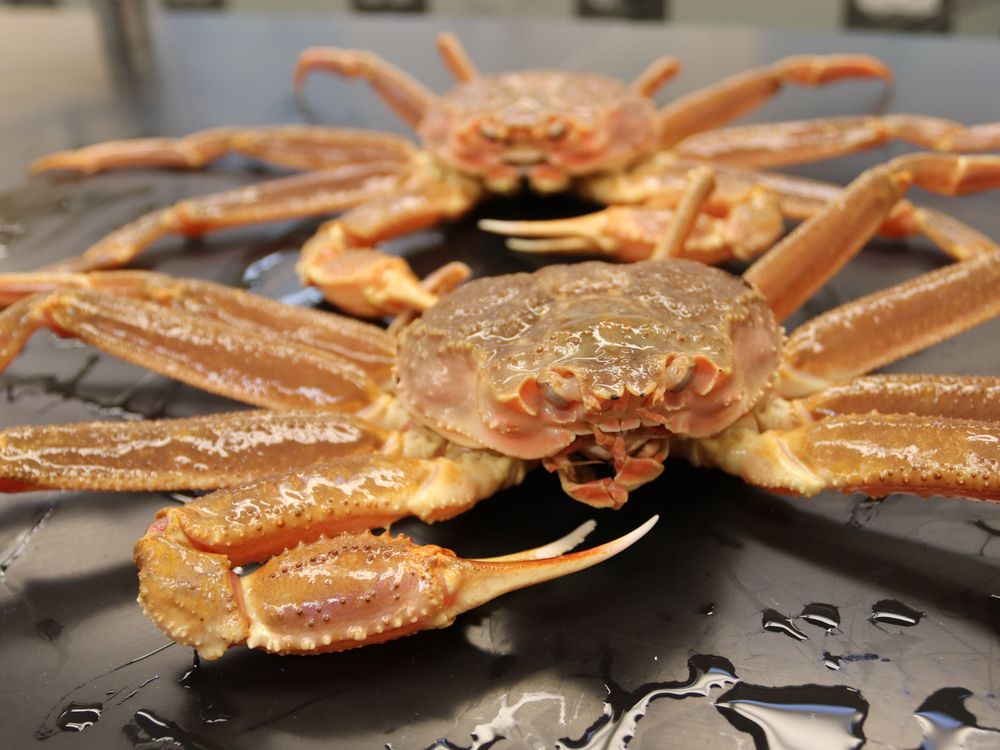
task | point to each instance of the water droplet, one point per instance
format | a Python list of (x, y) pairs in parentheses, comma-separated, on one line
[(822, 615), (893, 612), (776, 622), (708, 609), (830, 661), (948, 725), (797, 716), (78, 716)]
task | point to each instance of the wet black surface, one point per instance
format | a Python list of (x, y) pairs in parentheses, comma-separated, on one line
[(82, 668)]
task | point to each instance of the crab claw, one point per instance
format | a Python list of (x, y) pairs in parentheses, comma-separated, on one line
[(579, 234), (332, 594), (626, 233)]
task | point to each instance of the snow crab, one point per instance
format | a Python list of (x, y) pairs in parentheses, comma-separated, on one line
[(552, 130), (578, 366)]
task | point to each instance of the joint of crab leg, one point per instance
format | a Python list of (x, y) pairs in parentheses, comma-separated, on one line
[(191, 595), (368, 283), (404, 95)]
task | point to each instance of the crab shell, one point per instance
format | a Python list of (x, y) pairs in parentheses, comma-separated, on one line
[(525, 364), (546, 126)]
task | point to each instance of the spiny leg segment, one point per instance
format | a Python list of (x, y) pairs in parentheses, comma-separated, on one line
[(882, 434)]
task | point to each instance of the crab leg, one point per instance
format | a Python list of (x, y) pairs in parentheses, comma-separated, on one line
[(715, 105), (293, 146), (455, 58), (406, 96), (701, 183), (240, 363), (341, 259), (197, 453), (782, 143), (328, 594), (872, 331), (875, 453), (363, 344), (309, 194), (656, 74), (950, 396), (816, 250)]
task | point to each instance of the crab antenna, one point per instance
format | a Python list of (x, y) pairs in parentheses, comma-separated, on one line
[(657, 73), (455, 58)]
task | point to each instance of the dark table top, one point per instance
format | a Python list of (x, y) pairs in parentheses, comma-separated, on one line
[(543, 664)]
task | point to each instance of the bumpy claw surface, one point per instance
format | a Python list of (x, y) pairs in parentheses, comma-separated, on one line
[(331, 594)]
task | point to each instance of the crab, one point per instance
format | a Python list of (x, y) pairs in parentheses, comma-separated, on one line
[(550, 130), (577, 366)]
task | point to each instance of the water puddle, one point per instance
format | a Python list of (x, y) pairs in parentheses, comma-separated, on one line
[(800, 717), (622, 711), (947, 724)]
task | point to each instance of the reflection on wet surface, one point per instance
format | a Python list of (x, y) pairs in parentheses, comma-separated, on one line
[(892, 612), (778, 623), (822, 615)]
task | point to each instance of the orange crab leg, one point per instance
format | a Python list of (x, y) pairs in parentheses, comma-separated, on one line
[(880, 328), (875, 453), (782, 143), (293, 146), (715, 105), (701, 183), (328, 594), (261, 518), (240, 363), (334, 594), (341, 259), (197, 453), (406, 96), (309, 194), (656, 74), (800, 264), (950, 396), (455, 58), (363, 344)]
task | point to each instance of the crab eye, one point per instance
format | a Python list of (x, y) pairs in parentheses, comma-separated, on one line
[(489, 131), (556, 130)]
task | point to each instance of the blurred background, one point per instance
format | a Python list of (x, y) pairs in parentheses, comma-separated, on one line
[(975, 17)]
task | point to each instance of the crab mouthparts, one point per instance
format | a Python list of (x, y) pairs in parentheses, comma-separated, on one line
[(636, 461), (524, 156)]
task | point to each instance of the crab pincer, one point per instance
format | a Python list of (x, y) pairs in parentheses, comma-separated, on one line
[(332, 594)]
